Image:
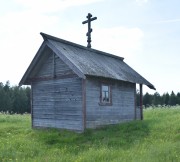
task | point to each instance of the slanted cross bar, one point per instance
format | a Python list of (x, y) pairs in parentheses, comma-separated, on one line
[(89, 19)]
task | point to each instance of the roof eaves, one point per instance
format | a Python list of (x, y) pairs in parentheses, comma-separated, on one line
[(33, 62), (151, 87)]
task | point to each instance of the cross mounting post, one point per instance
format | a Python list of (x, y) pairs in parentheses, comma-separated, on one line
[(88, 34)]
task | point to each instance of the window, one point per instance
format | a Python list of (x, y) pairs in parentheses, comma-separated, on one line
[(105, 95)]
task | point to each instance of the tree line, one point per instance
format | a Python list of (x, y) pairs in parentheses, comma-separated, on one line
[(156, 99), (15, 99)]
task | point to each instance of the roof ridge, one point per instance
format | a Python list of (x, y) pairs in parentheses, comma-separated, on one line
[(47, 36)]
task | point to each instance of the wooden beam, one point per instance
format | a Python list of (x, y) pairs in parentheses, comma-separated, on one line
[(52, 78), (135, 113), (31, 98), (84, 102), (54, 66), (141, 101)]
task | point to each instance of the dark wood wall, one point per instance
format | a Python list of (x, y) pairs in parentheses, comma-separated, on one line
[(57, 102), (123, 103)]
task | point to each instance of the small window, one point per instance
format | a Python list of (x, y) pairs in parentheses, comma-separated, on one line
[(105, 94)]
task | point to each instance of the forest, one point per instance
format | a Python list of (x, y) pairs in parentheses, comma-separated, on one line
[(156, 99), (15, 99)]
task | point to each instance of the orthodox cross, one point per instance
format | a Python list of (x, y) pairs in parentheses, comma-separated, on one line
[(88, 34)]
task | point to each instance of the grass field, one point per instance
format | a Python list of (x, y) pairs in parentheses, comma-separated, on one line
[(155, 139)]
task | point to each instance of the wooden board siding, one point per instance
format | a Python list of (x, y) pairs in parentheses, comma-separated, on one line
[(53, 66), (58, 104), (122, 108), (57, 95)]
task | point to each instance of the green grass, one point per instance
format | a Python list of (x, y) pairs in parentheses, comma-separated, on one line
[(156, 139)]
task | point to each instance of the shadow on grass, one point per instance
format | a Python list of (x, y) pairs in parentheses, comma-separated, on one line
[(122, 135)]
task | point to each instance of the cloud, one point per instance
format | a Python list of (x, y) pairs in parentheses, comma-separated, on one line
[(167, 21), (119, 40), (141, 2), (20, 40), (52, 5)]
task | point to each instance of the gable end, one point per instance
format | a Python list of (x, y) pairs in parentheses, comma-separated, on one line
[(49, 63)]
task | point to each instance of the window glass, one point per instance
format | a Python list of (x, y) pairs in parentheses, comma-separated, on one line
[(105, 93), (105, 88)]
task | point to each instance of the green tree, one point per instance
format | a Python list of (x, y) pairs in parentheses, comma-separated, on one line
[(6, 103), (178, 98), (14, 99), (156, 99), (18, 100), (147, 100), (165, 99), (172, 99), (28, 94)]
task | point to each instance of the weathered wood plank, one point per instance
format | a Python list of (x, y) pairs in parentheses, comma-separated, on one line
[(64, 124), (53, 66), (122, 108), (58, 103)]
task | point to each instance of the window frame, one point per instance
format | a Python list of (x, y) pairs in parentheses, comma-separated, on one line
[(105, 103)]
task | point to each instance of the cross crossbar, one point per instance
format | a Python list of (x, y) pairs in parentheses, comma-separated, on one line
[(88, 34)]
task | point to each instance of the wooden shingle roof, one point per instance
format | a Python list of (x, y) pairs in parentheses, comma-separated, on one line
[(89, 62)]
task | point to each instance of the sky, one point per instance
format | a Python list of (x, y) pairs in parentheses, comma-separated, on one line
[(145, 32)]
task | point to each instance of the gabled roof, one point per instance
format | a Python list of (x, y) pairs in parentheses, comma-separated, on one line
[(88, 62)]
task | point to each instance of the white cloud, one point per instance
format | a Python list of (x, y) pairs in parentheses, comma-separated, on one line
[(141, 2), (52, 5), (20, 40), (120, 40), (167, 21)]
